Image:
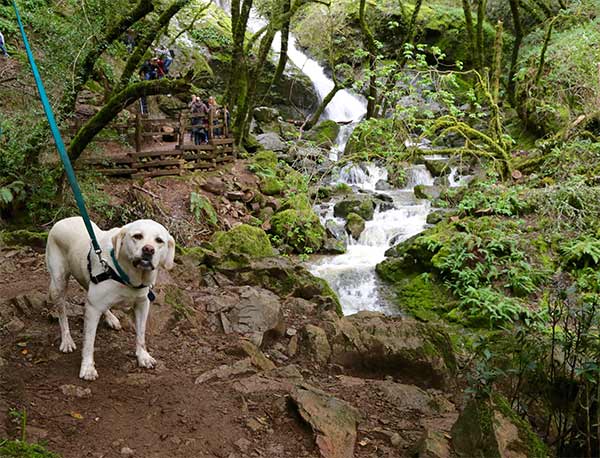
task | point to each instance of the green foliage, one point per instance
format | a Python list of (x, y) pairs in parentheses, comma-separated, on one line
[(203, 210), (581, 252), (243, 239), (213, 37), (489, 198), (18, 449), (299, 229)]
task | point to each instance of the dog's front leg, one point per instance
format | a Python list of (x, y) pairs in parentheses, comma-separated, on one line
[(90, 324), (141, 315)]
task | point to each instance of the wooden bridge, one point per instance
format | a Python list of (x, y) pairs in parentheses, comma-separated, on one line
[(176, 154)]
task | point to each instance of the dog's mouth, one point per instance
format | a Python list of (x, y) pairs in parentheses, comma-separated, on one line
[(143, 264)]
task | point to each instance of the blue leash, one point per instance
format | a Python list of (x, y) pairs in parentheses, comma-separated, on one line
[(60, 146)]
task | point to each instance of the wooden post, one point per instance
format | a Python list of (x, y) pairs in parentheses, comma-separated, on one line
[(225, 127), (138, 132), (182, 124), (211, 116)]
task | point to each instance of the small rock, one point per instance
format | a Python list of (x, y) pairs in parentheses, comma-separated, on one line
[(291, 332), (126, 451), (15, 325), (75, 391), (243, 444), (293, 346), (317, 342), (396, 439), (257, 357), (254, 424)]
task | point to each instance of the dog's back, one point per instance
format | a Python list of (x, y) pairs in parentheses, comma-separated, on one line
[(67, 248)]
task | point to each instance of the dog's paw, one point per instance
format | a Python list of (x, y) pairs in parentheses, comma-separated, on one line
[(145, 360), (88, 373), (67, 345), (112, 321)]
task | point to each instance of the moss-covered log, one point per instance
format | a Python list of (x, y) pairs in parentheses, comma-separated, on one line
[(117, 103), (84, 70)]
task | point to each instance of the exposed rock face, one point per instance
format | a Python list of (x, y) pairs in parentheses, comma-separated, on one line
[(437, 168), (427, 192), (416, 352), (433, 444), (246, 310), (317, 342), (265, 114), (333, 421), (271, 141), (488, 427)]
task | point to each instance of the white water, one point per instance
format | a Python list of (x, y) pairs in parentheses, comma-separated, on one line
[(352, 274)]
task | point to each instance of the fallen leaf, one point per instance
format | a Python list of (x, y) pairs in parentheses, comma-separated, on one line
[(76, 415)]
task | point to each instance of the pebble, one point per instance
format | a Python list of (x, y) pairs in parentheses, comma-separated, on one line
[(126, 451), (76, 391), (396, 439)]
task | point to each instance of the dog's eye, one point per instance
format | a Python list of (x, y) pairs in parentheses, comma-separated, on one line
[(159, 240), (138, 236)]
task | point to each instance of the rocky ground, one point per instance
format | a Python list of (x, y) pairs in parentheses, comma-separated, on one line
[(319, 384)]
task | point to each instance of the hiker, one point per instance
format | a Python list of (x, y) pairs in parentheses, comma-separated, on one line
[(198, 110), (160, 67), (148, 71), (212, 106), (3, 46), (166, 55), (130, 41)]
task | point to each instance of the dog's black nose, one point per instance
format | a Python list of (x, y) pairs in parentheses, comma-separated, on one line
[(148, 250)]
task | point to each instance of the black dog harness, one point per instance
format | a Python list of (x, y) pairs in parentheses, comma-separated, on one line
[(110, 274)]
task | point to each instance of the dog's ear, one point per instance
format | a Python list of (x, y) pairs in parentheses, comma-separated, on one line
[(117, 241), (169, 260)]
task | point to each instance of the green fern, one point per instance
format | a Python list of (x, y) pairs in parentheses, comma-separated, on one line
[(202, 209), (581, 252)]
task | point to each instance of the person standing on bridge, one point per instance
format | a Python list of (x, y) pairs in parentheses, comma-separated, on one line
[(3, 46), (198, 112)]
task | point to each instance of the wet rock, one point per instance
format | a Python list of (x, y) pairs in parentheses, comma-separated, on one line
[(362, 206), (324, 133), (333, 421), (418, 352), (317, 343), (437, 167), (355, 225), (433, 444), (334, 246), (427, 192), (75, 391), (436, 216), (383, 185), (489, 427), (272, 142)]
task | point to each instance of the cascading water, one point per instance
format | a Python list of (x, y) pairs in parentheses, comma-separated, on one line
[(352, 274)]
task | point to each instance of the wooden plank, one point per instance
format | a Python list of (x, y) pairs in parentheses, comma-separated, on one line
[(165, 163), (203, 147), (221, 141), (105, 161), (115, 172), (157, 173), (141, 154)]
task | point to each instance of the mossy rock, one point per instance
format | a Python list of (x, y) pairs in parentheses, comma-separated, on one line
[(299, 202), (300, 229), (363, 207), (437, 168), (23, 237), (489, 428), (270, 185), (423, 191), (355, 224), (423, 296), (266, 160), (246, 240), (324, 134), (18, 449)]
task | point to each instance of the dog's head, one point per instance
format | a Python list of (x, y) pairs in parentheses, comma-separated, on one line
[(146, 244)]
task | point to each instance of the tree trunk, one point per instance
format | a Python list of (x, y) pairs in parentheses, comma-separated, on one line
[(514, 9), (470, 30), (371, 46), (117, 103), (480, 38), (84, 70), (321, 108), (285, 35), (151, 32)]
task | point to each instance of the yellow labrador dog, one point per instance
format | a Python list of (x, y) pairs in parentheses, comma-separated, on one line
[(131, 255)]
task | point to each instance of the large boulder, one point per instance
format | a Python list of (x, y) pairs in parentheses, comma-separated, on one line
[(488, 427), (355, 224), (241, 243), (437, 167), (284, 278), (300, 229), (246, 310), (271, 141), (265, 115), (415, 352), (362, 206), (324, 134)]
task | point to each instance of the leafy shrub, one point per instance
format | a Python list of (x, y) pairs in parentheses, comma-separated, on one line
[(581, 252)]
